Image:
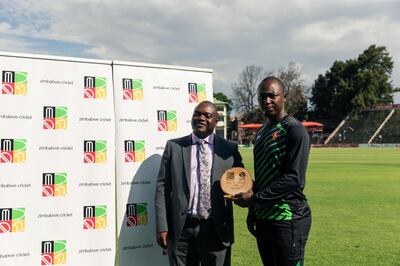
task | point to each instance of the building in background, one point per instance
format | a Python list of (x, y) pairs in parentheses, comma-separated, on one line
[(221, 127)]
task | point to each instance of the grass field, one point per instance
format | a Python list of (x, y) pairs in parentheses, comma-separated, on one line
[(354, 194)]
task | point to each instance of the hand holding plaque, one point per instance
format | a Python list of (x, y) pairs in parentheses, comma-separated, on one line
[(235, 180)]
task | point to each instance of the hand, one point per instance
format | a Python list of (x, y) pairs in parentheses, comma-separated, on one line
[(251, 224), (243, 200), (162, 238)]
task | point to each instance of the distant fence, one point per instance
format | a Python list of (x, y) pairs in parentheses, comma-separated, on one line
[(362, 145), (379, 125)]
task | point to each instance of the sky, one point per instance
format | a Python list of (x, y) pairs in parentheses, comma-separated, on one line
[(224, 35)]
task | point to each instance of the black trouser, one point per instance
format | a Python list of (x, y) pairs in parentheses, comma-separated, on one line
[(282, 243), (199, 244)]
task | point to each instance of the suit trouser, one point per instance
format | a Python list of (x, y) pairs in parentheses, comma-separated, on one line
[(282, 243), (199, 244)]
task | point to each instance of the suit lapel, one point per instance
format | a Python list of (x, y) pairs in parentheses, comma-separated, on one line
[(187, 158), (216, 158)]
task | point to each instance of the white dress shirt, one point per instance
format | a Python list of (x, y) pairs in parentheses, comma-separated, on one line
[(194, 171)]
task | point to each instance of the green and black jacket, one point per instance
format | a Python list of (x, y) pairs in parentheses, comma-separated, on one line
[(280, 161)]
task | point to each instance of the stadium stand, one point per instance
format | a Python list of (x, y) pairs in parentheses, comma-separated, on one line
[(390, 133), (380, 124)]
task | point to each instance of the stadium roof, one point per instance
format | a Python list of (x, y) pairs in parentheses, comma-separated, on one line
[(311, 124), (250, 125), (216, 101), (305, 123)]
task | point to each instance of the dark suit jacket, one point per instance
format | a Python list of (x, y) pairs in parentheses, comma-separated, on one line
[(173, 187)]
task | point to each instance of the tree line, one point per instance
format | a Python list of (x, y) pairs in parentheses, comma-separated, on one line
[(350, 85)]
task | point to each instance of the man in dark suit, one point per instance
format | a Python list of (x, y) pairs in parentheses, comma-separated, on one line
[(193, 220)]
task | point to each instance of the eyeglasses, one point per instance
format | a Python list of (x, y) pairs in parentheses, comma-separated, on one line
[(205, 114)]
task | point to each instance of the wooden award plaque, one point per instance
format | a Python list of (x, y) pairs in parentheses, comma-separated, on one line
[(236, 180)]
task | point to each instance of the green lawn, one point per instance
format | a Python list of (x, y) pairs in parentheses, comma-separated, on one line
[(354, 194)]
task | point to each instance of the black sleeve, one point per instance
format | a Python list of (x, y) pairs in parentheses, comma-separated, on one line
[(163, 190), (293, 168)]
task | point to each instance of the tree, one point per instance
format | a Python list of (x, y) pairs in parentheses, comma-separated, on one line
[(294, 85), (245, 90), (231, 125), (354, 84), (321, 97), (222, 97), (255, 116)]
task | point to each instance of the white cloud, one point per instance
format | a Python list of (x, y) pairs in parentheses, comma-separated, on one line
[(5, 27), (223, 35), (345, 33)]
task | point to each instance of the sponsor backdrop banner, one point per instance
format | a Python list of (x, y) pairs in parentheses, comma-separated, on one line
[(64, 153), (57, 161), (153, 103)]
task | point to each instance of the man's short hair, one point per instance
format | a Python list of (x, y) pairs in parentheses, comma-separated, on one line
[(208, 103), (272, 78)]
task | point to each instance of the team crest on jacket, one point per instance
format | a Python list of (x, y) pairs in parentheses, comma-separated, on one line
[(275, 135)]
